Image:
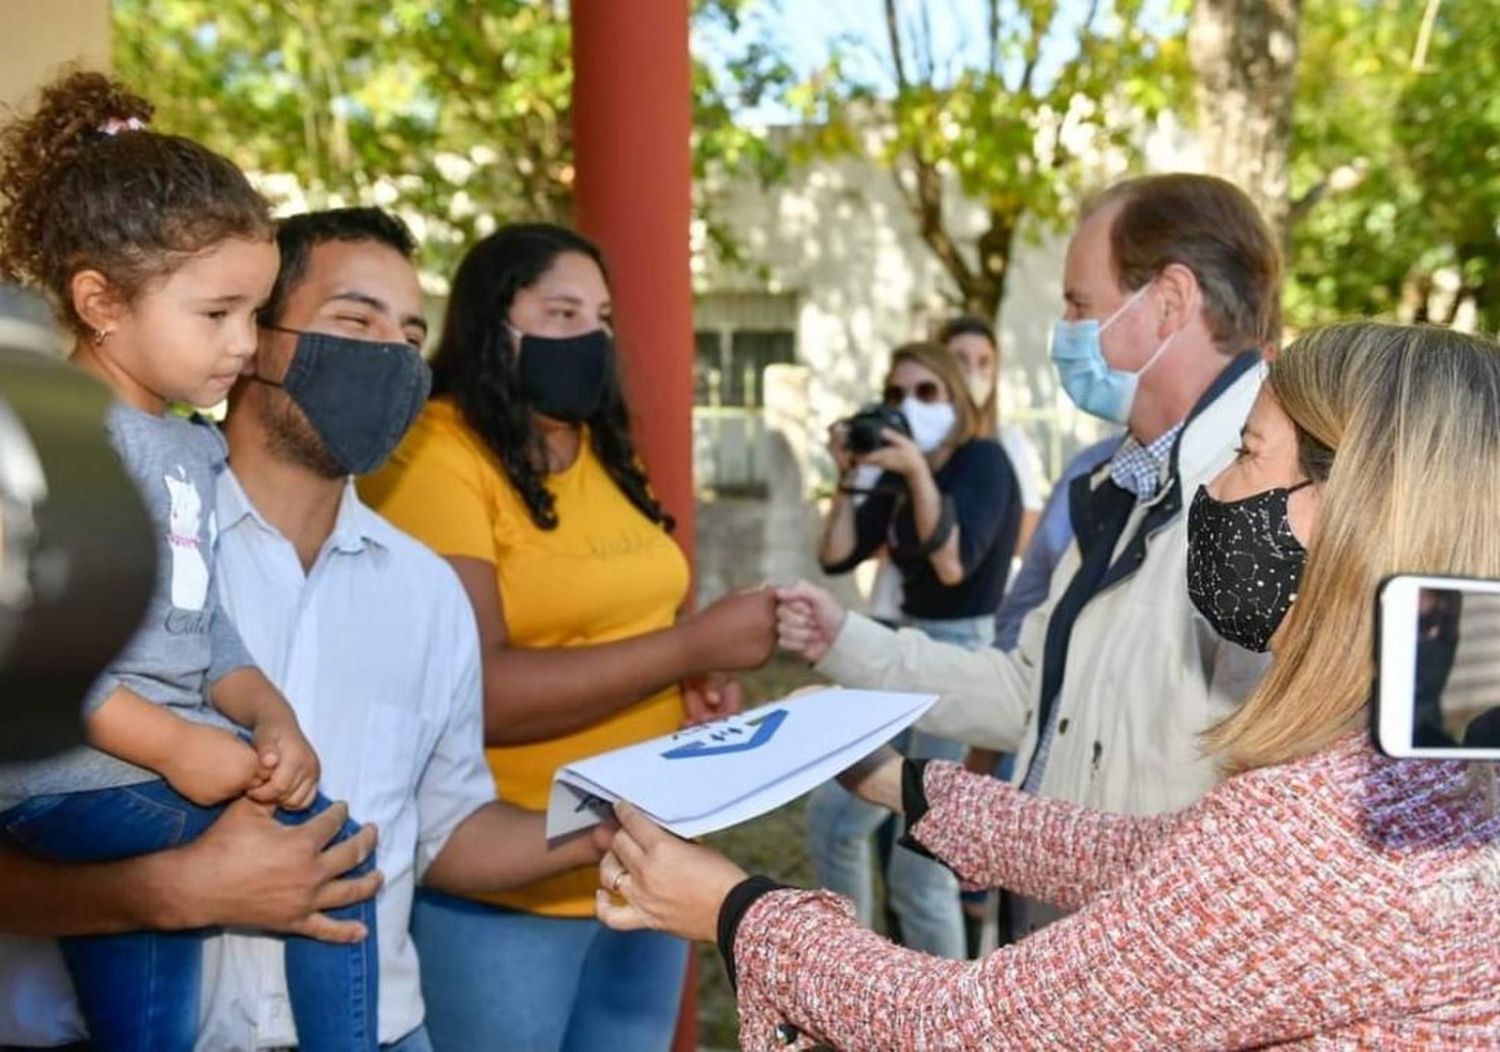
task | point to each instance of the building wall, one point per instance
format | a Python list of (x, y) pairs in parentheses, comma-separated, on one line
[(42, 35), (838, 240)]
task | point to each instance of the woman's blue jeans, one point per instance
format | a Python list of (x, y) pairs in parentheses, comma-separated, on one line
[(139, 991), (923, 894), (506, 981)]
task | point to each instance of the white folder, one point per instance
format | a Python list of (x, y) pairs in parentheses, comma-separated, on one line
[(714, 776)]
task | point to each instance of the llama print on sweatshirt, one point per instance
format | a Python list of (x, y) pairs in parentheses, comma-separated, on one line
[(189, 567)]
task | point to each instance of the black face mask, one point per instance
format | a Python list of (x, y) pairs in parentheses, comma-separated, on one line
[(360, 396), (566, 378), (1244, 564)]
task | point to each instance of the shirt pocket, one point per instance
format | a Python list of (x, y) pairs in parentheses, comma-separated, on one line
[(393, 741)]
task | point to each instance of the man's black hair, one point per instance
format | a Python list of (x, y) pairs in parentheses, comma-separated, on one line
[(298, 235), (963, 325)]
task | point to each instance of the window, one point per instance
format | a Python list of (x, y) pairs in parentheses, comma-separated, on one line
[(731, 364), (738, 334)]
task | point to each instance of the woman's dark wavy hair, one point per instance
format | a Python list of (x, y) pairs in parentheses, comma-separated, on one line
[(475, 366)]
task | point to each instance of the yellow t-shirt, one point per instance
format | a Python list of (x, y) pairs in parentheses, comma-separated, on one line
[(605, 573)]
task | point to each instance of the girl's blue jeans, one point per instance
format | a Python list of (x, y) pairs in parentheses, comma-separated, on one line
[(139, 991)]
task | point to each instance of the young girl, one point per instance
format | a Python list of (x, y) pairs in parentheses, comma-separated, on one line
[(158, 253)]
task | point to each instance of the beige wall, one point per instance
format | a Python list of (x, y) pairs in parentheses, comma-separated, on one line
[(40, 35)]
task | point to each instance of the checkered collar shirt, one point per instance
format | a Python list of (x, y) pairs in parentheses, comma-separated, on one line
[(1139, 469)]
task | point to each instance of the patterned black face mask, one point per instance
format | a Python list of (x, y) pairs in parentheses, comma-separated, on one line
[(1244, 564)]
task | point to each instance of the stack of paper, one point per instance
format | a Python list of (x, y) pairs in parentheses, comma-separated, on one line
[(711, 777)]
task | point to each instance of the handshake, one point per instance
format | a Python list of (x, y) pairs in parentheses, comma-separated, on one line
[(742, 630)]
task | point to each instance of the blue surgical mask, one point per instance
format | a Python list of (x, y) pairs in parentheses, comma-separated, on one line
[(1090, 381)]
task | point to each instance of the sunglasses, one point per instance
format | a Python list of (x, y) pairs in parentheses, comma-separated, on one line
[(927, 392)]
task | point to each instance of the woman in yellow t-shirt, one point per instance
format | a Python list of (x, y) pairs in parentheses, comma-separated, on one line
[(522, 473)]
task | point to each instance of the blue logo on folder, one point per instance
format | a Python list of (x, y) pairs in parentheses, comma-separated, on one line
[(731, 739)]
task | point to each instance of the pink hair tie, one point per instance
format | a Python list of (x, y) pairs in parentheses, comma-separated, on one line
[(115, 125)]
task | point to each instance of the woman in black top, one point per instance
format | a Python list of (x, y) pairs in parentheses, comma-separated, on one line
[(946, 505)]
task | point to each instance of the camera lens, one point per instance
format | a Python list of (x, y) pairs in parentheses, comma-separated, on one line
[(864, 436)]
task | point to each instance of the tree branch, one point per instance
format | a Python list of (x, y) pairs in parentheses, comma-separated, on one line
[(893, 35), (1460, 296), (992, 20), (1034, 48), (927, 208), (926, 61), (1340, 180), (1424, 36)]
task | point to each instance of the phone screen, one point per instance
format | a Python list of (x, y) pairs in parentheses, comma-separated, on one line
[(1456, 687)]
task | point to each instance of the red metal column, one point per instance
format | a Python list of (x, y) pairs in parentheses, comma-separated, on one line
[(632, 128), (632, 151)]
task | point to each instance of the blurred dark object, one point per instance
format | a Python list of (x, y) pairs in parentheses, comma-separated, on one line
[(864, 429), (77, 560), (1438, 614)]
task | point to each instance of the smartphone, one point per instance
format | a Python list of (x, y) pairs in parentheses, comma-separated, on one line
[(1438, 689)]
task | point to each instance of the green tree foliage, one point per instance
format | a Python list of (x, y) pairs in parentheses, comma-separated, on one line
[(1016, 124), (1395, 158), (454, 112)]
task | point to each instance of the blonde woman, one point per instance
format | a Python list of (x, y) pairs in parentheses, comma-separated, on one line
[(946, 506), (1323, 896)]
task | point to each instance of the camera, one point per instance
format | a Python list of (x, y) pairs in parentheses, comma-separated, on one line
[(863, 431), (77, 550)]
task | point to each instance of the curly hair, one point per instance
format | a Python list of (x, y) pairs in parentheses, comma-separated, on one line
[(475, 364), (85, 186)]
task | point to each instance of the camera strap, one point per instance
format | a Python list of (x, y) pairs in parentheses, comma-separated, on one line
[(939, 537)]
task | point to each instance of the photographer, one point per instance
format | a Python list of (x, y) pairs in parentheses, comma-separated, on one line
[(947, 507), (944, 504)]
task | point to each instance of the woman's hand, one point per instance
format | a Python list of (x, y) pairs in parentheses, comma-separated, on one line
[(736, 633), (899, 456), (651, 879), (710, 697), (808, 620)]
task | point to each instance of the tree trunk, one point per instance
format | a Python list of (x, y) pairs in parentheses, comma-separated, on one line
[(987, 288), (1244, 54)]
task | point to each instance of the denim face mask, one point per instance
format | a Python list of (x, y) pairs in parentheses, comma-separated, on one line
[(360, 396)]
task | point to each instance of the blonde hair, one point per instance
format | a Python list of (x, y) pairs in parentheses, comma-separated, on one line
[(967, 424), (1412, 417)]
